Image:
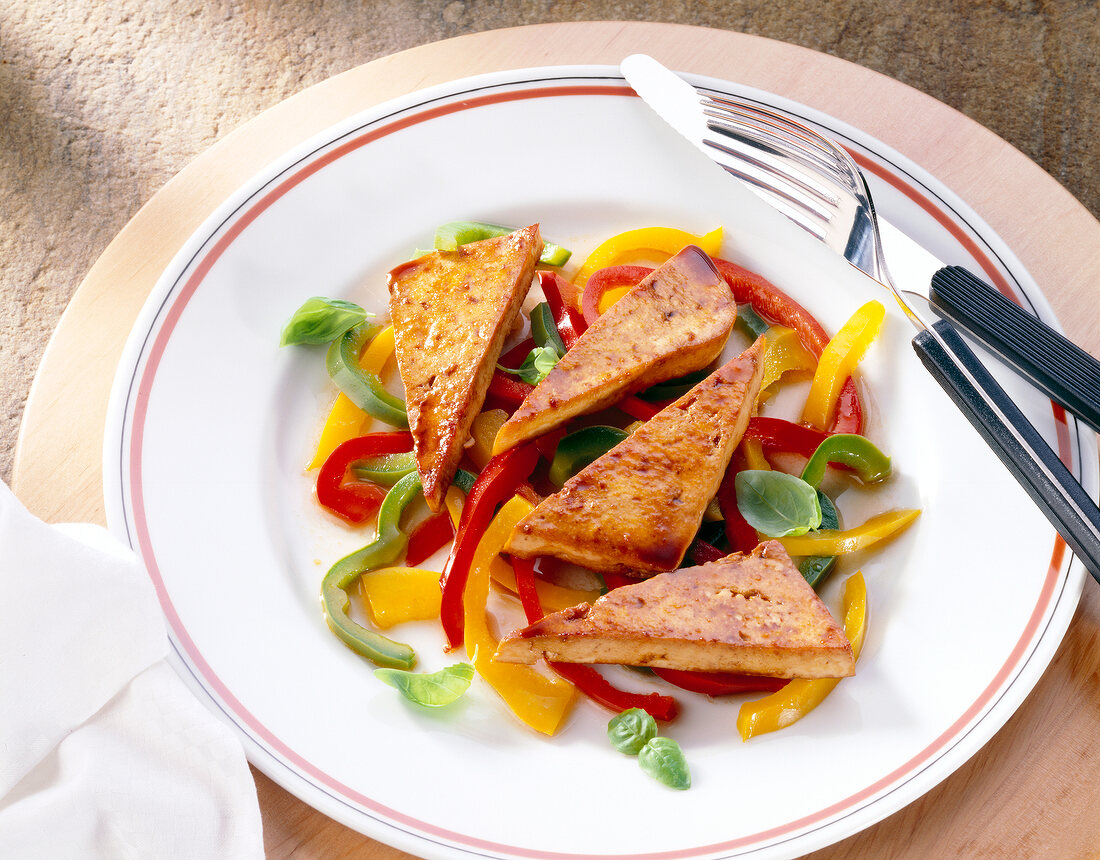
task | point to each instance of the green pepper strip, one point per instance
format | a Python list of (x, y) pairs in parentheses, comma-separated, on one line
[(859, 454), (580, 448), (383, 550), (464, 480), (386, 469), (364, 389), (848, 449), (454, 233)]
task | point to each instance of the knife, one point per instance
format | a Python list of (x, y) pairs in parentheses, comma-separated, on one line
[(1054, 364), (1058, 367)]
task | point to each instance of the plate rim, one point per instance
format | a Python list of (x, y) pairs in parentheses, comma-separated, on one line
[(145, 327)]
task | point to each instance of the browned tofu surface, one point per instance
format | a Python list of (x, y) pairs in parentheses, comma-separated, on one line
[(751, 614), (451, 312), (636, 509), (673, 322)]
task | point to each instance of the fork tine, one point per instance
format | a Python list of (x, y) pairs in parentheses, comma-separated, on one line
[(806, 176), (785, 136), (804, 180), (804, 139), (780, 185)]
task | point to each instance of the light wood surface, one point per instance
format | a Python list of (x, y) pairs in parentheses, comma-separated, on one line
[(1031, 791)]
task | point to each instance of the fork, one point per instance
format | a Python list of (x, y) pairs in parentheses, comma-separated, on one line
[(816, 184)]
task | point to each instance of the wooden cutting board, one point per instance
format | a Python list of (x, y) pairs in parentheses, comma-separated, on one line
[(1031, 791)]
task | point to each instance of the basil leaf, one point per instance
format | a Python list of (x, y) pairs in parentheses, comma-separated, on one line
[(631, 730), (777, 504), (663, 760), (815, 568), (430, 689), (539, 362), (544, 329), (321, 320)]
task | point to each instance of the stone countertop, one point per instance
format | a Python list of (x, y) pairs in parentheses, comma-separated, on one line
[(101, 104)]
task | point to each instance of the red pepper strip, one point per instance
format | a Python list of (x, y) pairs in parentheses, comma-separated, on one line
[(428, 537), (617, 580), (561, 296), (775, 434), (587, 678), (515, 356), (525, 588), (506, 392), (720, 683), (702, 552), (601, 691), (607, 279), (547, 443), (771, 302), (356, 501), (637, 408), (741, 536), (497, 482), (849, 413)]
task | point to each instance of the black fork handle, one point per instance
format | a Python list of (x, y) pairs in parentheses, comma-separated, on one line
[(1014, 439)]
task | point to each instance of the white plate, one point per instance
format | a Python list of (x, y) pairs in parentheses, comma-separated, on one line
[(210, 424)]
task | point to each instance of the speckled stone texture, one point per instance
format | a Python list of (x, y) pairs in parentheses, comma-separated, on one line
[(102, 102)]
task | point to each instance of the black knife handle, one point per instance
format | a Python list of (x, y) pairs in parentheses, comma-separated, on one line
[(1014, 439), (1058, 367)]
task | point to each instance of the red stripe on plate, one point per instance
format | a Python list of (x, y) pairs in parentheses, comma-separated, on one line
[(214, 683)]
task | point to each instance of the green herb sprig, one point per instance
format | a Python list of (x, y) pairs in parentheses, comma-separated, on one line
[(634, 732)]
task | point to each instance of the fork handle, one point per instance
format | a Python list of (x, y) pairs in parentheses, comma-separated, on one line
[(1014, 439), (1058, 367)]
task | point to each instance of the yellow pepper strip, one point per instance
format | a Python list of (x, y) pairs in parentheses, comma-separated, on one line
[(378, 351), (838, 360), (833, 542), (455, 501), (483, 434), (610, 297), (754, 455), (552, 597), (345, 419), (802, 695), (666, 240), (344, 422), (785, 354), (541, 701), (396, 594)]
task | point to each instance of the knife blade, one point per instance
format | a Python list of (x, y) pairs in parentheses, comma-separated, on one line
[(938, 344), (1035, 350)]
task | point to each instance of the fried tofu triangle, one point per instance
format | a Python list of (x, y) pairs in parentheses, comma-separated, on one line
[(451, 312), (752, 614), (636, 509), (674, 321)]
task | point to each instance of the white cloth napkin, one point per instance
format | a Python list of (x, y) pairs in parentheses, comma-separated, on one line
[(103, 750)]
